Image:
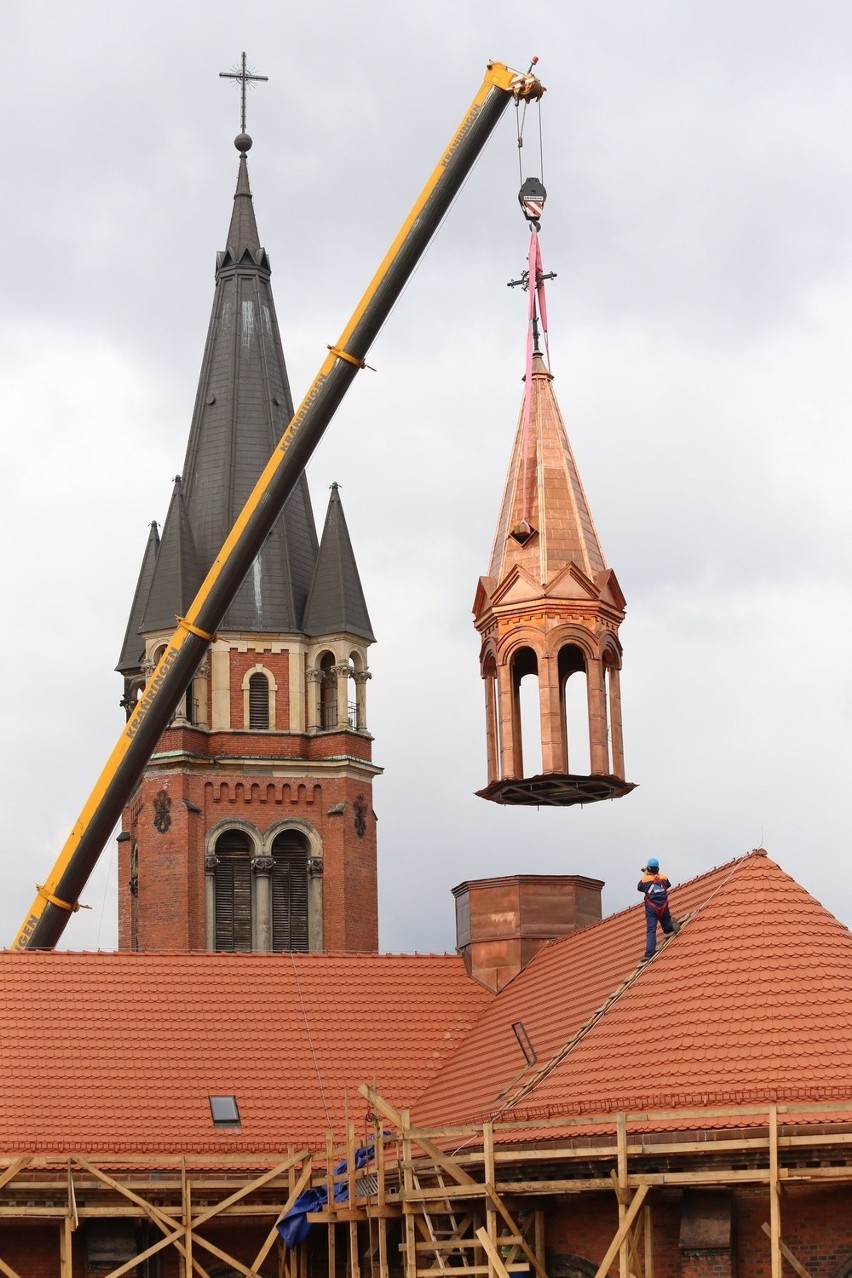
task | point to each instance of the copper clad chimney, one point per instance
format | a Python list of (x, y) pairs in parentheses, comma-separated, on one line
[(502, 923)]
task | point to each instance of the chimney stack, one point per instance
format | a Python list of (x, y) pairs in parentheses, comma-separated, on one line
[(502, 923)]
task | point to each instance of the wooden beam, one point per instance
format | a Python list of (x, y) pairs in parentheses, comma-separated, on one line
[(8, 1270), (495, 1260), (774, 1195), (186, 1195), (12, 1170), (288, 1206), (649, 1240), (516, 1229), (787, 1253), (257, 1183), (438, 1155), (621, 1233), (66, 1242)]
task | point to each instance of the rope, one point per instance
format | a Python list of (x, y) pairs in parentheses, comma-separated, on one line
[(310, 1040)]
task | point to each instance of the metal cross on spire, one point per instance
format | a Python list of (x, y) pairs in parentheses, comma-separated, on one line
[(244, 76)]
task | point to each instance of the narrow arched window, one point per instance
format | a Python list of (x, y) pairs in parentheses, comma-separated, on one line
[(290, 891), (259, 701), (233, 891)]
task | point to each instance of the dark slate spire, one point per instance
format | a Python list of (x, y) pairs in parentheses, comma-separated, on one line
[(241, 410), (336, 601), (178, 572), (133, 648)]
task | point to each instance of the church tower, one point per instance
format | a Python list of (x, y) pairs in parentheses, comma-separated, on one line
[(548, 612), (253, 826)]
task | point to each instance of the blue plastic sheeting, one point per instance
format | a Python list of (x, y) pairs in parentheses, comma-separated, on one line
[(295, 1227)]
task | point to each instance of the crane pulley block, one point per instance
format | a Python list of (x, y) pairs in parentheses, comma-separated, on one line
[(531, 198)]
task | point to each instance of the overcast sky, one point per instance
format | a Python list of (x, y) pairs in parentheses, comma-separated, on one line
[(699, 217)]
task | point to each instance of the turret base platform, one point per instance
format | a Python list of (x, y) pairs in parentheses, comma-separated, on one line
[(555, 790)]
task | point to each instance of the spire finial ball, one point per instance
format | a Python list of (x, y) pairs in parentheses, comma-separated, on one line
[(242, 142)]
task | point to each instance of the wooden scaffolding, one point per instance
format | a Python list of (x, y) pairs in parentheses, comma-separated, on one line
[(405, 1202), (473, 1200)]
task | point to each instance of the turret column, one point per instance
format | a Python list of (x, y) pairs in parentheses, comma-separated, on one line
[(550, 712), (616, 736), (489, 682), (262, 867), (510, 761), (314, 681), (360, 677), (210, 863), (597, 717), (342, 672)]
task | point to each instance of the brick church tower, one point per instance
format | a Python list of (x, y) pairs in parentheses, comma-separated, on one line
[(253, 826)]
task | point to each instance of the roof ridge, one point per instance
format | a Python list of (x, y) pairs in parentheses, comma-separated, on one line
[(609, 918)]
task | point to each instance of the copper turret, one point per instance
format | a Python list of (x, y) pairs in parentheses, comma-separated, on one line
[(549, 609)]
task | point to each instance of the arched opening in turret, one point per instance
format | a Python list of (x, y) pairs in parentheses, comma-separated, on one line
[(526, 711), (328, 692), (357, 692), (574, 701)]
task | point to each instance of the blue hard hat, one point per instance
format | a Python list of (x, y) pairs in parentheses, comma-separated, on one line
[(653, 863)]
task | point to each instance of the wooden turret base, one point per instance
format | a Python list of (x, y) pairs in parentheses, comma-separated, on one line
[(555, 790)]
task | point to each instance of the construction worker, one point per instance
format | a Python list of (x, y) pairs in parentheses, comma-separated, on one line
[(654, 886)]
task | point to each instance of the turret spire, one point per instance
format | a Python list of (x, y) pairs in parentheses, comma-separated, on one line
[(549, 607)]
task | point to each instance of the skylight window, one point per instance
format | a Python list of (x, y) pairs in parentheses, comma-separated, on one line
[(224, 1111), (524, 1042)]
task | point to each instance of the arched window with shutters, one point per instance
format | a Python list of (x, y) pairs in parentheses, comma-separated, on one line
[(258, 699), (233, 891), (290, 891)]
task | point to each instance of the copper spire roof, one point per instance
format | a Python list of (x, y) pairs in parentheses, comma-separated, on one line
[(543, 488)]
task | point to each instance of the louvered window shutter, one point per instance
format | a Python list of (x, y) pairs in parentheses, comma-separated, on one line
[(233, 892), (258, 701), (290, 891)]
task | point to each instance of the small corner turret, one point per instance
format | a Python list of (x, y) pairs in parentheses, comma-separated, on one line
[(549, 609)]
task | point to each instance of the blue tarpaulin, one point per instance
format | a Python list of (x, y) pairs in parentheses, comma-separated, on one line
[(295, 1227)]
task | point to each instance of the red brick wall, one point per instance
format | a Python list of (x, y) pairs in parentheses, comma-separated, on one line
[(171, 879), (32, 1250), (816, 1224), (278, 665)]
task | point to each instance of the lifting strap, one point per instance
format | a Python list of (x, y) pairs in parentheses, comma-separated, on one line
[(537, 310)]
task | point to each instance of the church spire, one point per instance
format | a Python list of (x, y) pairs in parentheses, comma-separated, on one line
[(550, 609), (253, 825), (242, 407)]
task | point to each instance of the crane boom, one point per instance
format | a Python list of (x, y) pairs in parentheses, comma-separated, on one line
[(58, 897)]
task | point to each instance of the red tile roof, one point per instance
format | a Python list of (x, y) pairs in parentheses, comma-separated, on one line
[(752, 1000), (121, 1051)]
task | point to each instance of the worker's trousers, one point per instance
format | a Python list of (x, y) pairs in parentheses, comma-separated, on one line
[(651, 921)]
